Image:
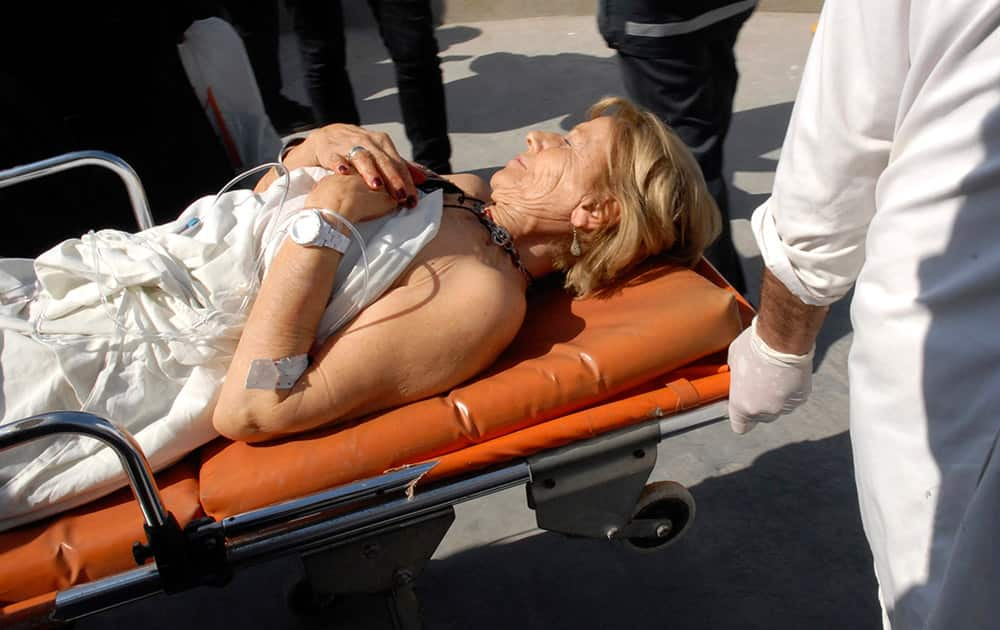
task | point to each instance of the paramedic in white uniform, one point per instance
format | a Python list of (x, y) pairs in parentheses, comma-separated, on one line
[(889, 180)]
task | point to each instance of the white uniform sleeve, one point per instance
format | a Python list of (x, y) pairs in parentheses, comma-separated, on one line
[(811, 231)]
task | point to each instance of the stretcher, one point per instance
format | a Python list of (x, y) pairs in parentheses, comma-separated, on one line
[(573, 411)]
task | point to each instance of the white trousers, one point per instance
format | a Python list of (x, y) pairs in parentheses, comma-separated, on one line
[(925, 426)]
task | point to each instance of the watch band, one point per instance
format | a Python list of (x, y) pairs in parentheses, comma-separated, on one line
[(325, 236), (334, 239)]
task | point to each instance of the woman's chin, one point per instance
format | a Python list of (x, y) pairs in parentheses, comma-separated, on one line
[(506, 177), (497, 179)]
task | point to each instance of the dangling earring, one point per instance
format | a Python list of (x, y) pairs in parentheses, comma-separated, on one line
[(574, 247)]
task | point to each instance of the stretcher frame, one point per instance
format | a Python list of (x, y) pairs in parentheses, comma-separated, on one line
[(133, 185), (606, 474), (380, 527)]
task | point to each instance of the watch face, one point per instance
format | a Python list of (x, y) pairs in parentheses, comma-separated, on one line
[(305, 228)]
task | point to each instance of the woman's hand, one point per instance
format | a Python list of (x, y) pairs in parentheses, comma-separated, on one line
[(350, 197), (377, 162)]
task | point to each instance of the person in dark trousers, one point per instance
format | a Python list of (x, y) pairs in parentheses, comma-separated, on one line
[(677, 60), (407, 30), (258, 23)]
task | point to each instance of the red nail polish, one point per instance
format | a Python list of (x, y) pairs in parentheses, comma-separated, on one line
[(418, 175), (377, 182), (343, 169), (401, 195)]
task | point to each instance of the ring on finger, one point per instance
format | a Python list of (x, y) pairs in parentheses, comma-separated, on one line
[(354, 151)]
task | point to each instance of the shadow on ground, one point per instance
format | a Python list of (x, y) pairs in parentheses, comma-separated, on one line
[(490, 102), (761, 554), (754, 138)]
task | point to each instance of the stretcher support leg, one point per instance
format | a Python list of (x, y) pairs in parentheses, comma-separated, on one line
[(382, 565), (591, 488)]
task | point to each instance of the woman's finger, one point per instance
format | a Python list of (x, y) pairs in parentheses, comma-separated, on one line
[(379, 170), (330, 157), (337, 141), (393, 167), (365, 164), (388, 173)]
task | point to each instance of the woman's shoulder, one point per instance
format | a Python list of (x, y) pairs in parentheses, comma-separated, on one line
[(477, 308), (452, 281), (477, 277), (491, 299), (458, 273)]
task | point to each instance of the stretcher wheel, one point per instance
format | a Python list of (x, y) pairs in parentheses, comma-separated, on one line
[(669, 508)]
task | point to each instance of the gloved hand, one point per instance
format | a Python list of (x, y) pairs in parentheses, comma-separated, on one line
[(764, 383)]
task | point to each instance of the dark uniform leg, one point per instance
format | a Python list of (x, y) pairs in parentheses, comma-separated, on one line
[(319, 25), (690, 85), (257, 23), (407, 29)]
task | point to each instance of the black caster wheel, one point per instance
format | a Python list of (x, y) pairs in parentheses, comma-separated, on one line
[(663, 513)]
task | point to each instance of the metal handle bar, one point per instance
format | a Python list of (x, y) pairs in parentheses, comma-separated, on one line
[(136, 193), (140, 475)]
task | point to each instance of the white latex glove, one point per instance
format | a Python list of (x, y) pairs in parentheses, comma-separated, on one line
[(764, 383)]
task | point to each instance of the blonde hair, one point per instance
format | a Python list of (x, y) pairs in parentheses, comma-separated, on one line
[(665, 206)]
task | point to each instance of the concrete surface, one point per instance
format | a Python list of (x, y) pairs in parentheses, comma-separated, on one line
[(777, 542), (357, 14)]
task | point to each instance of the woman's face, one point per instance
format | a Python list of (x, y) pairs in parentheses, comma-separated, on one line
[(558, 173)]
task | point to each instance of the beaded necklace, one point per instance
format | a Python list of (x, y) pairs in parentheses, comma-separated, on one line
[(498, 234)]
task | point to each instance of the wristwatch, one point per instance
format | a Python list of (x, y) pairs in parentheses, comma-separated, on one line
[(310, 229)]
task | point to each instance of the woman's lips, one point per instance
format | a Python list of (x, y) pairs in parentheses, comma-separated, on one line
[(516, 161)]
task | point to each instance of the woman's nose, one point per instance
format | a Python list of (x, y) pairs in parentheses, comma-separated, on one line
[(538, 140)]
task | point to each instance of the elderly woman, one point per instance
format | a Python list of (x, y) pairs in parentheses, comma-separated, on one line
[(593, 202), (373, 300)]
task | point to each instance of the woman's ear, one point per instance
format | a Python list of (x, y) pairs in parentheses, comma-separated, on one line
[(594, 214)]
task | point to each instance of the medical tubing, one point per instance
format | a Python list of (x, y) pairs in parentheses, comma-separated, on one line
[(282, 232), (247, 173), (358, 304), (193, 333), (262, 254)]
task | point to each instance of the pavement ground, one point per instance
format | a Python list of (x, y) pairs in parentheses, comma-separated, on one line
[(777, 542)]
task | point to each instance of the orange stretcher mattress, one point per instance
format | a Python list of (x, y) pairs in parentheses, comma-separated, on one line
[(578, 368)]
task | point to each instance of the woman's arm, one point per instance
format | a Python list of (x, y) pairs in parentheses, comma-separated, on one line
[(413, 342), (291, 301)]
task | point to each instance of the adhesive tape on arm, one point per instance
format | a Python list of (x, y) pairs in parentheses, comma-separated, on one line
[(281, 374)]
